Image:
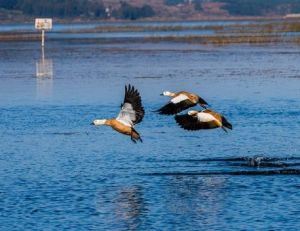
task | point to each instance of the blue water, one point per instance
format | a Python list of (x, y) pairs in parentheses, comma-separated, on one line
[(59, 173)]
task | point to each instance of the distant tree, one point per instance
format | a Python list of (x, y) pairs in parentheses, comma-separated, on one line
[(8, 4), (57, 8), (198, 5), (260, 7), (146, 11), (127, 11), (173, 2)]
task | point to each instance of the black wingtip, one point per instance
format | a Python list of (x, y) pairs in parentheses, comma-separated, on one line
[(165, 113), (178, 119), (169, 109)]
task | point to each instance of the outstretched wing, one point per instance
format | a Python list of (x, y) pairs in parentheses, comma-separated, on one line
[(192, 123), (176, 105), (132, 111)]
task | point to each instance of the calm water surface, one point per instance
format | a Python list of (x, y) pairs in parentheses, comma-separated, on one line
[(59, 173)]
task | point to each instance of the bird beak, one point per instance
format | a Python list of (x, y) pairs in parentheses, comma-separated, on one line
[(92, 123), (161, 94)]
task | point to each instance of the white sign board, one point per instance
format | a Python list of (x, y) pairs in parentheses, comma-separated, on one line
[(43, 23)]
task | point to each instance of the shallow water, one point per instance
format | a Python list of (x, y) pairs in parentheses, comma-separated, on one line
[(58, 172)]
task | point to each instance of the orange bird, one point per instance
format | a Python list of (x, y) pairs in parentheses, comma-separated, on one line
[(132, 113)]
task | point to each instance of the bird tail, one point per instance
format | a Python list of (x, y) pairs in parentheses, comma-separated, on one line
[(225, 123)]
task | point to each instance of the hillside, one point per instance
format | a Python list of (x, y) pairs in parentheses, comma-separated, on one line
[(138, 9)]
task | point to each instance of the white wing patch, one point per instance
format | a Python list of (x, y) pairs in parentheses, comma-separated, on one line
[(179, 98), (125, 122), (127, 115), (205, 117)]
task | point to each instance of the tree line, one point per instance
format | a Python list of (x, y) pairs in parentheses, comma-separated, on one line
[(261, 7), (75, 8), (249, 7)]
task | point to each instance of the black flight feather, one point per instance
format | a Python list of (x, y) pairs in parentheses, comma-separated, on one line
[(172, 108), (132, 96)]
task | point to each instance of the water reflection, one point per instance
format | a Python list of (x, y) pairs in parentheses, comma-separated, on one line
[(44, 76), (129, 207), (195, 199)]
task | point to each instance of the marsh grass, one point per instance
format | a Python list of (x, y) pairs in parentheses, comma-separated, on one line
[(218, 40), (278, 27), (253, 33), (19, 36), (105, 29)]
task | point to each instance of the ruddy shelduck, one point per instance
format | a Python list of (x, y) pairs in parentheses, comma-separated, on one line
[(132, 112), (180, 101), (205, 119)]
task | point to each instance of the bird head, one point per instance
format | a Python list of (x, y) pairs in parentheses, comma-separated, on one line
[(167, 93), (192, 113), (98, 122)]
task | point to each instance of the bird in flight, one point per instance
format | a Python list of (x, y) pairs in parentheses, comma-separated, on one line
[(205, 119), (132, 113), (180, 101)]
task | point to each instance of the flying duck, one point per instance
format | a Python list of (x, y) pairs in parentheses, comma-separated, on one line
[(132, 112), (180, 101), (205, 119)]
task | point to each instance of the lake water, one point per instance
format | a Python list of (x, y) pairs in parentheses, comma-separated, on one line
[(59, 173)]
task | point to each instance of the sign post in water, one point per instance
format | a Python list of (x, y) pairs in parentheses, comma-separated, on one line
[(43, 24)]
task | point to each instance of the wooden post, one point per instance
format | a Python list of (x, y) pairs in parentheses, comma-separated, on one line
[(43, 38)]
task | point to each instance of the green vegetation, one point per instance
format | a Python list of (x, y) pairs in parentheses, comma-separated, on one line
[(261, 7), (56, 8), (126, 11), (198, 5), (75, 8), (96, 8), (173, 2), (9, 5)]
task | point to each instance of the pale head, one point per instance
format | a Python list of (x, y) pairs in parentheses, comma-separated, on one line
[(168, 93), (192, 113), (98, 122)]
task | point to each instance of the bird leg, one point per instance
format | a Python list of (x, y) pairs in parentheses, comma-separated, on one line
[(224, 129), (133, 140)]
